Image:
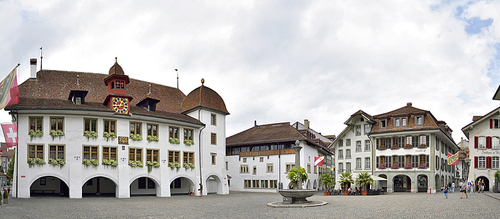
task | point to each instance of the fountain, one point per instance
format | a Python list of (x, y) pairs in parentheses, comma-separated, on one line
[(296, 197)]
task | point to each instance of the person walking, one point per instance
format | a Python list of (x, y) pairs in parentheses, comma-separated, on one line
[(468, 186), (478, 186), (453, 187), (463, 189), (446, 191), (482, 186)]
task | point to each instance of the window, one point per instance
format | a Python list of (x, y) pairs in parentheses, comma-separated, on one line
[(308, 168), (152, 155), (110, 126), (213, 138), (188, 134), (56, 152), (135, 128), (419, 120), (90, 152), (264, 184), (289, 166), (244, 168), (315, 169), (423, 140), (367, 145), (244, 160), (214, 156), (173, 132), (348, 153), (358, 163), (494, 123), (36, 123), (109, 153), (358, 130), (269, 168), (56, 124), (495, 143), (135, 154), (367, 163), (367, 129), (341, 168), (348, 142), (341, 154), (341, 143), (358, 145), (383, 123), (255, 183), (247, 183), (213, 119), (403, 121), (173, 156), (396, 122), (153, 130), (482, 142), (261, 159), (482, 162), (348, 167), (254, 172), (495, 163), (273, 184), (90, 125), (189, 157), (35, 151)]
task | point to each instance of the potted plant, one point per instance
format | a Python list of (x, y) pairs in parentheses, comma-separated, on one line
[(152, 138), (151, 165), (297, 174), (382, 166), (136, 137), (90, 134), (395, 166), (422, 146), (422, 166), (408, 166), (188, 142), (363, 180), (394, 147), (32, 133), (327, 180), (345, 179), (408, 146), (109, 135), (381, 147), (54, 134), (174, 140)]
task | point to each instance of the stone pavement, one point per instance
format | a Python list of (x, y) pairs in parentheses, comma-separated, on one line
[(253, 205)]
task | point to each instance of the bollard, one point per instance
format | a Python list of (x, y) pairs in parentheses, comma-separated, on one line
[(430, 190)]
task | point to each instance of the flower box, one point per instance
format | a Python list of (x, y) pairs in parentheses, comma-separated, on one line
[(422, 166), (394, 147), (174, 140), (408, 146), (408, 167), (381, 147), (395, 166), (382, 166), (422, 146)]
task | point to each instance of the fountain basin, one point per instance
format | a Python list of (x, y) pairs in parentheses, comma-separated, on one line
[(292, 196)]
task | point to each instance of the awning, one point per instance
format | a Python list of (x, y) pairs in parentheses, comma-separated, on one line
[(378, 178)]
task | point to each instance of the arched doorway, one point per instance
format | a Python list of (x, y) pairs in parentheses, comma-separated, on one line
[(422, 183), (143, 186), (486, 183), (383, 183), (49, 186), (214, 185), (402, 183), (181, 186), (99, 186), (437, 181)]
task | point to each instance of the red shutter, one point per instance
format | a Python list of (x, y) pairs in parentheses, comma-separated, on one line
[(491, 123), (488, 162), (476, 139), (488, 142), (475, 162)]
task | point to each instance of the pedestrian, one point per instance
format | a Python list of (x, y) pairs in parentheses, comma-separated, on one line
[(478, 186), (449, 186), (463, 189), (482, 186), (471, 186), (468, 186), (453, 187), (446, 191)]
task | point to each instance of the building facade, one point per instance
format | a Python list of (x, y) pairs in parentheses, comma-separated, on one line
[(258, 159), (107, 134)]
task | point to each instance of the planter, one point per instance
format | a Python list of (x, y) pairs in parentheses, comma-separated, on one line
[(365, 193), (297, 196), (326, 193), (345, 192)]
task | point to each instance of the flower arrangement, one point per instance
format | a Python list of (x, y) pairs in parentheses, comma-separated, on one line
[(394, 147), (136, 137), (188, 142), (422, 146), (297, 174), (109, 135), (135, 163), (173, 165), (88, 162), (107, 162), (54, 134), (408, 146), (395, 166), (188, 165), (37, 161), (381, 147), (153, 138), (381, 166), (90, 134), (56, 162), (408, 166), (32, 133), (152, 164), (422, 166), (174, 140)]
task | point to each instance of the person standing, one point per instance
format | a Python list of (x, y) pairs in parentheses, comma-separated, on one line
[(478, 186), (453, 187), (446, 191), (482, 186), (463, 189), (468, 186)]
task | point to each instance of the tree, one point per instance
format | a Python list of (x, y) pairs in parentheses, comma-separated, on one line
[(297, 174), (10, 170), (364, 179), (346, 178), (327, 180), (1, 170)]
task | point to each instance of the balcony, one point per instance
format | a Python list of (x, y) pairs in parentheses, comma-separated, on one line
[(266, 153)]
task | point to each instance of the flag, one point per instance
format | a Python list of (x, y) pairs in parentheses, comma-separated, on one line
[(10, 134), (318, 161), (9, 92), (452, 159)]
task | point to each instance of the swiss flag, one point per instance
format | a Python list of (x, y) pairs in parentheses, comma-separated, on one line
[(10, 134), (318, 161)]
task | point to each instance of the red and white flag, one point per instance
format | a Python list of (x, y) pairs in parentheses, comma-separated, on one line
[(10, 134), (318, 161), (9, 92)]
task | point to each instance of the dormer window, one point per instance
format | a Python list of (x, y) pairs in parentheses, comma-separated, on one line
[(383, 123), (78, 101), (419, 120), (77, 96), (151, 106)]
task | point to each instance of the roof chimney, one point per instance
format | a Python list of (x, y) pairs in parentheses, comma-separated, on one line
[(408, 104), (33, 69), (306, 124)]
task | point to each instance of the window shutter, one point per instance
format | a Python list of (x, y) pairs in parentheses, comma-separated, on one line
[(488, 142), (488, 162), (476, 139), (491, 123), (475, 162)]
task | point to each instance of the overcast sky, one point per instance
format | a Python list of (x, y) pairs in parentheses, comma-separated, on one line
[(276, 61)]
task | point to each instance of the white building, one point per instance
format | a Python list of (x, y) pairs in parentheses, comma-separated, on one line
[(258, 159), (88, 134)]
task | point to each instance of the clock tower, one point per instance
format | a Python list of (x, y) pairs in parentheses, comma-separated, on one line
[(117, 99)]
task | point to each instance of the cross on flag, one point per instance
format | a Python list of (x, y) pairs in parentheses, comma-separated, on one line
[(10, 134), (318, 161)]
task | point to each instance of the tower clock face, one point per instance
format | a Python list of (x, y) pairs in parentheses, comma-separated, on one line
[(120, 105)]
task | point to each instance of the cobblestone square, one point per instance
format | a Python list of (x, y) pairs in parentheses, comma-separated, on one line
[(253, 205)]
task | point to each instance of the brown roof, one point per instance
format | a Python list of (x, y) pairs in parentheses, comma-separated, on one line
[(203, 96), (475, 118), (116, 69), (51, 90), (5, 152), (361, 112)]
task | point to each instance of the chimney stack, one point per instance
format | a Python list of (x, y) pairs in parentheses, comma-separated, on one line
[(306, 124), (33, 68), (408, 104)]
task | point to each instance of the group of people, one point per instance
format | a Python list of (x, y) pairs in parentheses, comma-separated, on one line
[(354, 192), (464, 187)]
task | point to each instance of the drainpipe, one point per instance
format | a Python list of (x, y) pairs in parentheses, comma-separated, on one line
[(199, 154)]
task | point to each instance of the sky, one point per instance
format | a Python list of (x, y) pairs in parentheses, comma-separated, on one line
[(276, 61)]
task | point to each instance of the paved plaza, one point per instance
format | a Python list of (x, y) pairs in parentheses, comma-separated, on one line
[(253, 205)]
